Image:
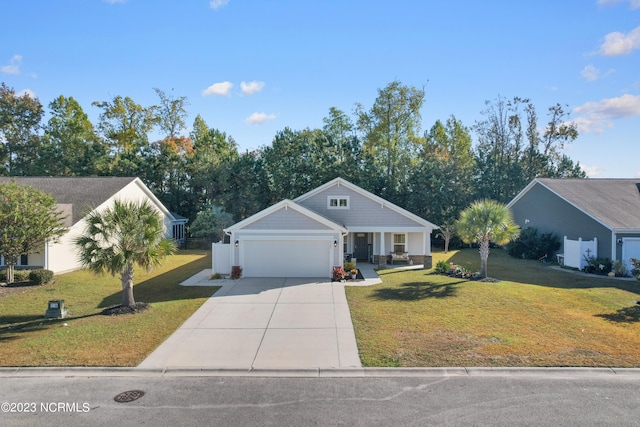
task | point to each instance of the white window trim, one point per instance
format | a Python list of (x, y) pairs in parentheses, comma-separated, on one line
[(339, 199), (393, 241)]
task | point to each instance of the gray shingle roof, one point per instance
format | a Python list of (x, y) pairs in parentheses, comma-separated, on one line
[(82, 194), (615, 202)]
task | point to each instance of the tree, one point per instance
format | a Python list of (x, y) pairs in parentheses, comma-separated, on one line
[(486, 221), (20, 118), (213, 153), (340, 148), (210, 223), (71, 145), (446, 232), (442, 183), (126, 125), (28, 219), (390, 135), (292, 163), (118, 238), (511, 151), (171, 113)]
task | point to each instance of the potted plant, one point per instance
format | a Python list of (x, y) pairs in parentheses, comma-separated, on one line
[(338, 274), (350, 267)]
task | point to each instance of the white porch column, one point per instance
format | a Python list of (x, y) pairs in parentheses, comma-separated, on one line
[(381, 251)]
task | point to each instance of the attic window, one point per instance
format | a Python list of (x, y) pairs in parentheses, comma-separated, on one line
[(338, 202)]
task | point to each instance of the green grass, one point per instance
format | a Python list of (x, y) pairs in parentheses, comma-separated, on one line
[(536, 316), (92, 339)]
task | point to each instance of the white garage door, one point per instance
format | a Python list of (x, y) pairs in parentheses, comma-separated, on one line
[(630, 249), (286, 258)]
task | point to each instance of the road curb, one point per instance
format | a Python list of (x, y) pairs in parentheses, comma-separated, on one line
[(551, 373)]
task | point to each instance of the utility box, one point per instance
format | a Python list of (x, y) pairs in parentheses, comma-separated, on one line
[(56, 309)]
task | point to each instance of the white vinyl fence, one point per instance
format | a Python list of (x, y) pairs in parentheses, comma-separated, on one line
[(221, 258), (575, 251)]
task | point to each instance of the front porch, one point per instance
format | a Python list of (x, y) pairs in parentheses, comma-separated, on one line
[(394, 247)]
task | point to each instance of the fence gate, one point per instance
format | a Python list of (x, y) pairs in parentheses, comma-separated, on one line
[(575, 251)]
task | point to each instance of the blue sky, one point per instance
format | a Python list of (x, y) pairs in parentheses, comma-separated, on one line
[(252, 68)]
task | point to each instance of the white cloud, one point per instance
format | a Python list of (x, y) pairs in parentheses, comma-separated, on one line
[(27, 92), (249, 88), (591, 73), (217, 4), (616, 43), (14, 65), (259, 118), (596, 116), (221, 88), (633, 4), (592, 171)]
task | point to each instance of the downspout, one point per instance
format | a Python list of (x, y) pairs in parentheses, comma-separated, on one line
[(46, 254)]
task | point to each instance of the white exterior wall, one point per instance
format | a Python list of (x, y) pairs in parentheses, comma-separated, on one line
[(62, 256)]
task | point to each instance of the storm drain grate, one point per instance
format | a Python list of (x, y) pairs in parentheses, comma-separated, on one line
[(129, 396)]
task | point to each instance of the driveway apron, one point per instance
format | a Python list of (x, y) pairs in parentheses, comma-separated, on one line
[(265, 323)]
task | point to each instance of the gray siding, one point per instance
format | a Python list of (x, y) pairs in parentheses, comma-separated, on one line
[(286, 219), (362, 212), (548, 213)]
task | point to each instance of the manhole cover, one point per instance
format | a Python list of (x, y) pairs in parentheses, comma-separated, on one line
[(129, 396)]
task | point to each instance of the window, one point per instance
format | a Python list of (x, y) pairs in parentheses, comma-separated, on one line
[(178, 232), (338, 202), (399, 243)]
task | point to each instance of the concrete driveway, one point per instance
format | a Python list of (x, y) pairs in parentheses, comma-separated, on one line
[(266, 323)]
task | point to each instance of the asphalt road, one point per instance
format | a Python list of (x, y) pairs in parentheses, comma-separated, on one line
[(545, 399)]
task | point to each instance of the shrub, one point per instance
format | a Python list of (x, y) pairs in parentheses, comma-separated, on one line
[(236, 272), (40, 277), (618, 268), (21, 275), (597, 265), (349, 265), (636, 267), (531, 246), (442, 267), (217, 276)]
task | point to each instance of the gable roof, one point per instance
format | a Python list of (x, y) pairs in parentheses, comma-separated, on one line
[(286, 204), (77, 195), (383, 202), (615, 203)]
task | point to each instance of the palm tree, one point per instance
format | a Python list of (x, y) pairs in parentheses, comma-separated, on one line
[(486, 221), (118, 238)]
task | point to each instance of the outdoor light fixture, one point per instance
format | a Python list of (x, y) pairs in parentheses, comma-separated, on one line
[(619, 241), (335, 243), (237, 243)]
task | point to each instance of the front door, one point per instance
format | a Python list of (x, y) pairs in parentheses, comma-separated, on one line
[(361, 247)]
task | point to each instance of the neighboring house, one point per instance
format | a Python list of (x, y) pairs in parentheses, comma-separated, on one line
[(606, 209), (76, 197), (308, 236)]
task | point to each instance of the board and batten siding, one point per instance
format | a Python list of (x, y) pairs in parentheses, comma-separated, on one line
[(362, 212), (286, 219), (543, 210)]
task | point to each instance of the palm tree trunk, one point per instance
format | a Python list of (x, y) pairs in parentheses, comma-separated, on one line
[(127, 286), (484, 256)]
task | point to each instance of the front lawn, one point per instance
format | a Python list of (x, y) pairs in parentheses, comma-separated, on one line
[(88, 338), (536, 316)]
